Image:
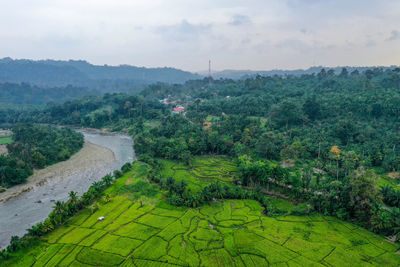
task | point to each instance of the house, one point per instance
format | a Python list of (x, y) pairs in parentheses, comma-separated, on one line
[(207, 124), (178, 110), (164, 101), (100, 218)]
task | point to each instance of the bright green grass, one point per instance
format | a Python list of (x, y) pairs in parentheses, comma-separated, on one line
[(5, 140), (228, 233)]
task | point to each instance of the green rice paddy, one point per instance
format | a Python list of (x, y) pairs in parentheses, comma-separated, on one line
[(225, 233), (5, 140), (203, 171)]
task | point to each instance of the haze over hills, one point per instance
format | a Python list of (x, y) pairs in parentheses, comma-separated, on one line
[(58, 73), (38, 82), (241, 74), (123, 78)]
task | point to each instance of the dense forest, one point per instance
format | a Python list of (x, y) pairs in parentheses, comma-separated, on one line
[(325, 139), (36, 146), (25, 94)]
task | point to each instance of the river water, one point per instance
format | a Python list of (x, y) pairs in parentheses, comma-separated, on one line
[(20, 213)]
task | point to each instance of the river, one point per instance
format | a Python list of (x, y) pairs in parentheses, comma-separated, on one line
[(101, 154)]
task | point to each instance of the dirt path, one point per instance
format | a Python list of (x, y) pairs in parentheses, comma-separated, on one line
[(89, 156)]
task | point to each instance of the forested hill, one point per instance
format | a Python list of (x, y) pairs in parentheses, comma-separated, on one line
[(26, 94), (51, 73)]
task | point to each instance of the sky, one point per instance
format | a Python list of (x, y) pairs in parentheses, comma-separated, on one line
[(185, 34)]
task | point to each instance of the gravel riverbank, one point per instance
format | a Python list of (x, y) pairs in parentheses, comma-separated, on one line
[(88, 157)]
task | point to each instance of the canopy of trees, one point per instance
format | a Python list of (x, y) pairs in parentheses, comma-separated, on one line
[(36, 146)]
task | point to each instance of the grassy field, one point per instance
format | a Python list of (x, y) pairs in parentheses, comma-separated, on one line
[(5, 140), (141, 229)]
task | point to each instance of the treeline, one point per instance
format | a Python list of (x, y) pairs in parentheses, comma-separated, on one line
[(36, 146), (119, 111)]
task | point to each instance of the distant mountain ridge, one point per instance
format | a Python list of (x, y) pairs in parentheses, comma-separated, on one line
[(241, 74), (56, 73)]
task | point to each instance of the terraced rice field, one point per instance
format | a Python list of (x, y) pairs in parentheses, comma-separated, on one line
[(230, 233), (5, 140), (203, 171), (225, 233)]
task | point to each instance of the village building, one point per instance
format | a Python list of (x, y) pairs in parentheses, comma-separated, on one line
[(207, 124), (178, 110)]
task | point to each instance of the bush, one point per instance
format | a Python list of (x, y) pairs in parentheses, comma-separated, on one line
[(140, 188), (117, 174), (126, 167), (303, 209)]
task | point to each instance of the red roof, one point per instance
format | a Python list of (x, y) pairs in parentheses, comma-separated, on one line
[(179, 109)]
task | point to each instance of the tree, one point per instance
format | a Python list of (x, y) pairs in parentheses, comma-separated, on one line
[(349, 161), (38, 160), (334, 154), (286, 114), (294, 151), (363, 194), (346, 131), (127, 107), (312, 108), (94, 207), (307, 176), (107, 180), (344, 73)]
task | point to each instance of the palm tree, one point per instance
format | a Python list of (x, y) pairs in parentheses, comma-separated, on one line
[(72, 202), (107, 198), (94, 207), (59, 207), (73, 197), (107, 180)]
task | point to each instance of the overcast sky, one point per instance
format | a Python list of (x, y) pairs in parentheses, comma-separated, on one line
[(234, 34)]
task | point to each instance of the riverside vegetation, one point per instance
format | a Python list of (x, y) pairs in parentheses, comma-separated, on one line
[(35, 146), (328, 142)]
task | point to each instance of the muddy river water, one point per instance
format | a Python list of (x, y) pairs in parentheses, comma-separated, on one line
[(26, 205)]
